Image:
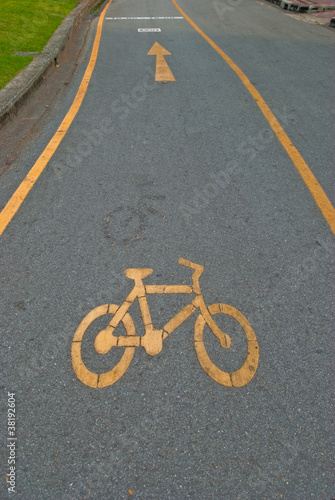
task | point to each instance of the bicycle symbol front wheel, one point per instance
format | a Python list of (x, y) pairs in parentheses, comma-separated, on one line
[(243, 375), (88, 377)]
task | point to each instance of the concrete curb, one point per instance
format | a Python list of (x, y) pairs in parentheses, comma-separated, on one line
[(18, 90), (294, 7)]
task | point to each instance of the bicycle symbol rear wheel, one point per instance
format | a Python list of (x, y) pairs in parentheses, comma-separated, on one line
[(88, 377), (243, 375)]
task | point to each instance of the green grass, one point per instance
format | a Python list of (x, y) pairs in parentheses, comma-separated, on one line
[(96, 8), (26, 26)]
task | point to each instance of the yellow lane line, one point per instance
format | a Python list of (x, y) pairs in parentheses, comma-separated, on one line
[(22, 191), (307, 175)]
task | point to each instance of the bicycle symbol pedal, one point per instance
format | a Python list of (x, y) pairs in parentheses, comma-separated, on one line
[(152, 340)]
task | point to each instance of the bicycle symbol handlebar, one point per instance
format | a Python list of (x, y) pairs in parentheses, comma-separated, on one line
[(152, 340)]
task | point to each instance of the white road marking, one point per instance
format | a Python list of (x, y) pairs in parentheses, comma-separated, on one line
[(147, 30)]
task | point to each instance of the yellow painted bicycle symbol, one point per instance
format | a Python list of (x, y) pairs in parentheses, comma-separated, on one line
[(152, 340)]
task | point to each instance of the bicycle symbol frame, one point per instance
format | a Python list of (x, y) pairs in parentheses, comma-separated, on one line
[(152, 340)]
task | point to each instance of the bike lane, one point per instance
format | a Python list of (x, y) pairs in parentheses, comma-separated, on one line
[(148, 173)]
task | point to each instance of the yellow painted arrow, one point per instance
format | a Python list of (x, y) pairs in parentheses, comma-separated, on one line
[(163, 72)]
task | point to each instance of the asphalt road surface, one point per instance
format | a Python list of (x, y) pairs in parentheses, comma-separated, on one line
[(148, 173)]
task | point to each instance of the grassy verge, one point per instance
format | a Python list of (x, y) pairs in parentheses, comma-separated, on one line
[(26, 26), (96, 8)]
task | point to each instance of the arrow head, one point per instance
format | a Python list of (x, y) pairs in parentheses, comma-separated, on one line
[(158, 50)]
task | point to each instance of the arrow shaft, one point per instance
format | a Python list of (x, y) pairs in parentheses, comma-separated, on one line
[(163, 72)]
